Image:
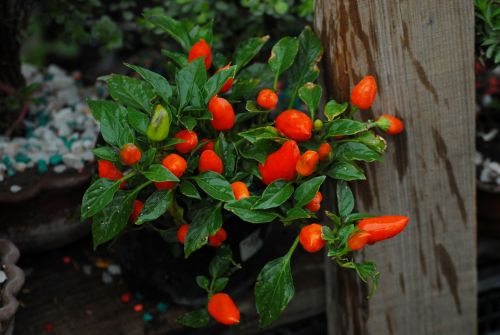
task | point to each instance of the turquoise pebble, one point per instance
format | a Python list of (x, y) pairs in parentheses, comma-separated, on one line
[(22, 158), (42, 166), (6, 160), (55, 159), (162, 307), (147, 317), (11, 172)]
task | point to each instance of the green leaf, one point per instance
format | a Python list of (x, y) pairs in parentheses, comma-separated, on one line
[(220, 284), (215, 185), (131, 91), (159, 173), (274, 289), (373, 141), (99, 107), (305, 68), (207, 220), (203, 282), (307, 190), (187, 78), (110, 222), (367, 271), (107, 153), (297, 213), (179, 58), (214, 84), (261, 133), (243, 209), (343, 127), (310, 94), (160, 85), (333, 109), (345, 198), (355, 217), (114, 127), (138, 120), (172, 27), (97, 196), (356, 151), (148, 157), (247, 50), (259, 150), (251, 80), (283, 54), (227, 151), (274, 195), (189, 190), (221, 263), (346, 171), (155, 206), (205, 32), (195, 319)]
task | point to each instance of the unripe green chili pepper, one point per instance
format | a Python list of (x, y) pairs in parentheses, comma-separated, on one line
[(159, 125), (318, 125)]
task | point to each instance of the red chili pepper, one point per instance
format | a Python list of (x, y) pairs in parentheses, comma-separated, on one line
[(307, 163), (138, 206), (295, 125), (390, 124), (267, 99), (240, 190), (358, 240), (210, 161), (175, 164), (130, 154), (281, 163), (310, 238), (325, 152), (217, 239), (364, 93), (222, 113), (182, 233), (315, 204), (201, 49), (209, 145), (229, 83), (108, 170), (223, 309), (190, 138), (383, 227)]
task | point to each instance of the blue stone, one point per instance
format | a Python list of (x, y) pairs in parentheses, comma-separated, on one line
[(42, 166), (22, 158), (148, 317), (55, 159), (162, 307)]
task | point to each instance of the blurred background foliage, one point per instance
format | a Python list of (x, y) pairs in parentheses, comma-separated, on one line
[(62, 30), (488, 29)]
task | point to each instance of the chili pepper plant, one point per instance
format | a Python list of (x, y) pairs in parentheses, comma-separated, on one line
[(186, 152)]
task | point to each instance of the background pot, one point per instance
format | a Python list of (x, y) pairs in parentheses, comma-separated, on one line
[(152, 266), (45, 214), (9, 256)]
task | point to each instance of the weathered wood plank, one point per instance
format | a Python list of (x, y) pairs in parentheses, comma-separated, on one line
[(421, 52)]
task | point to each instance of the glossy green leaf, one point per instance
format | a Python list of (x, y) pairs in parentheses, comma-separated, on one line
[(310, 94), (206, 221), (220, 284), (107, 153), (115, 129), (343, 127), (345, 199), (155, 206), (214, 83), (373, 141), (189, 190), (138, 120), (160, 85), (228, 153), (356, 151), (243, 209), (187, 78), (297, 213), (221, 263), (274, 195), (173, 28), (179, 59), (215, 185), (259, 150), (159, 173), (195, 319), (283, 54), (261, 133), (345, 171), (99, 107), (307, 190), (98, 195), (333, 109), (247, 50), (131, 91), (274, 289), (203, 282)]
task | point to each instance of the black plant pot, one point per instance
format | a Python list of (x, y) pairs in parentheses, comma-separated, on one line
[(154, 267)]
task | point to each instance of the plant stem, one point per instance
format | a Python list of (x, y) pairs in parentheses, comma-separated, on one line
[(292, 248)]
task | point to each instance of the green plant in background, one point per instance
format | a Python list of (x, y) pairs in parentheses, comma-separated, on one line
[(488, 29)]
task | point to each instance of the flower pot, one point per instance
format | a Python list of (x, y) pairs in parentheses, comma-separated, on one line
[(45, 213), (157, 268), (9, 255)]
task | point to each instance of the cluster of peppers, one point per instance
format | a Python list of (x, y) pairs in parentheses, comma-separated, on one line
[(292, 129)]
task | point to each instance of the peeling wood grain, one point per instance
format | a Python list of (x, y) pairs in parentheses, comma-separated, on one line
[(421, 52)]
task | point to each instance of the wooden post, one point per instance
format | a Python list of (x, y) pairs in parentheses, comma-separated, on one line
[(421, 52)]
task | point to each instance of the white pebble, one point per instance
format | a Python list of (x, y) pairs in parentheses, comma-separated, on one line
[(15, 188), (3, 277), (106, 278), (87, 269), (114, 269), (59, 168)]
